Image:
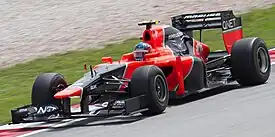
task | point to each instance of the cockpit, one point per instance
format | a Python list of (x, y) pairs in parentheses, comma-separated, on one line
[(168, 37), (177, 41)]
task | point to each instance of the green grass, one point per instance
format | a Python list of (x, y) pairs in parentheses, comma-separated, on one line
[(16, 82)]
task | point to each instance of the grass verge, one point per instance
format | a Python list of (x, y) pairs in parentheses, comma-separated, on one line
[(16, 82)]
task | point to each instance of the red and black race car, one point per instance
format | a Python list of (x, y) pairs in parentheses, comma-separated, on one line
[(173, 65)]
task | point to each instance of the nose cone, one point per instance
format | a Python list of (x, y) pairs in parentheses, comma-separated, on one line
[(68, 92)]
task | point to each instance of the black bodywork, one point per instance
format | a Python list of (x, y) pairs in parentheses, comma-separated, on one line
[(102, 84), (101, 89), (218, 68), (179, 38)]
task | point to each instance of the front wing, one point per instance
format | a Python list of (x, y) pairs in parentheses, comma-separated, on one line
[(50, 112)]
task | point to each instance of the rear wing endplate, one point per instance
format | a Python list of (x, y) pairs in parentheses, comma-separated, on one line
[(226, 20)]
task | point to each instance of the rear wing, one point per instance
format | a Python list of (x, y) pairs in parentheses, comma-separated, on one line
[(226, 20)]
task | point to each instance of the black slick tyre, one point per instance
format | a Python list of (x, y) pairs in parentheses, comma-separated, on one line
[(250, 61), (45, 87), (151, 81)]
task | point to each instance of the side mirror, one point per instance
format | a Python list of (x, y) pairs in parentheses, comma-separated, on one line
[(107, 60)]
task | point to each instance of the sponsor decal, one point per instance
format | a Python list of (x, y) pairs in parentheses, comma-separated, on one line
[(23, 110), (105, 104), (199, 47), (175, 35), (229, 24), (93, 87), (28, 110), (53, 116), (118, 104), (46, 109), (202, 15)]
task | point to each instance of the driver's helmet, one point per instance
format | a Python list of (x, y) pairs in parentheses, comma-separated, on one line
[(140, 50)]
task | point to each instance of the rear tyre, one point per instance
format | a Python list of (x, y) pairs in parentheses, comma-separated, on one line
[(45, 87), (151, 81), (250, 61)]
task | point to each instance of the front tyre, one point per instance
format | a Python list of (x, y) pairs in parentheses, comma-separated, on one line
[(46, 85), (151, 81)]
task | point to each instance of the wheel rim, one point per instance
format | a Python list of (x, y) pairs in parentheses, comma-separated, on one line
[(262, 60), (160, 88), (60, 87)]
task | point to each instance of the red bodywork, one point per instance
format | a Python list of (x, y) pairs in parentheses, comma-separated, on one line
[(230, 37), (163, 57)]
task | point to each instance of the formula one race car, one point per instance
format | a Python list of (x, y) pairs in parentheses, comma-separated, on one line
[(168, 64)]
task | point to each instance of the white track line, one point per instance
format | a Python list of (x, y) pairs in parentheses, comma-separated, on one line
[(54, 126)]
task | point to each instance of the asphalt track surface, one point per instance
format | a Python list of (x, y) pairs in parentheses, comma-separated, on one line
[(228, 111)]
